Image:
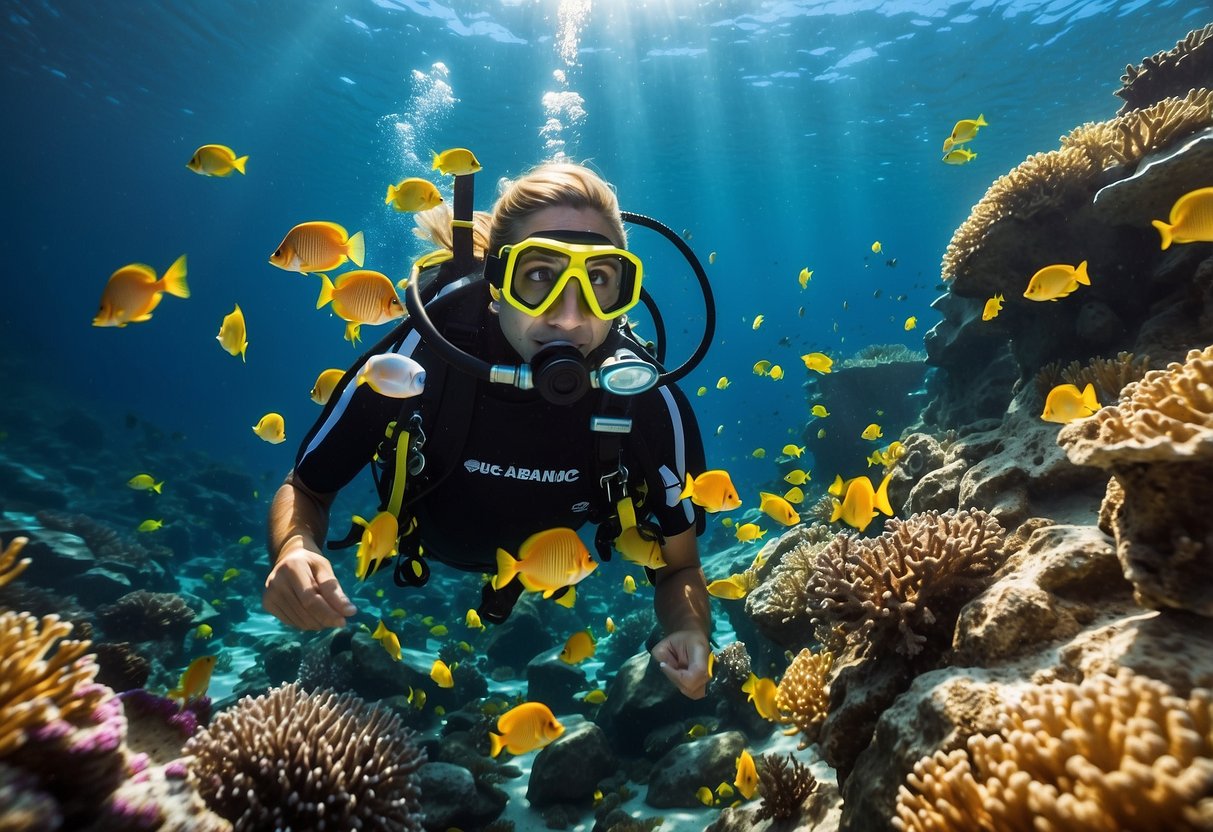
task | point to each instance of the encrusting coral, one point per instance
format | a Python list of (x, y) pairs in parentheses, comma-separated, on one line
[(804, 693), (913, 577), (290, 759), (784, 783), (1120, 753), (1187, 66), (1157, 443)]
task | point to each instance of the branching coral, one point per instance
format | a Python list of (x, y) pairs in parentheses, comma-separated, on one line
[(1109, 375), (1125, 139), (913, 576), (782, 602), (804, 692), (784, 783), (1187, 66), (290, 759), (1119, 753), (10, 567)]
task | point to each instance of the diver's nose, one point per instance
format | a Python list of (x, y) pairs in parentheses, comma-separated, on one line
[(570, 309)]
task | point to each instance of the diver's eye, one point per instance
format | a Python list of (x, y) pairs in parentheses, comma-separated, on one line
[(540, 274)]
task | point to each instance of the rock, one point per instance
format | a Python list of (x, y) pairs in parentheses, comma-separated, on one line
[(679, 774), (640, 699), (569, 770), (100, 586), (554, 682), (520, 638), (453, 799)]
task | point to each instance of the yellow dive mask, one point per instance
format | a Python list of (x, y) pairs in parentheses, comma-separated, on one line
[(533, 273)]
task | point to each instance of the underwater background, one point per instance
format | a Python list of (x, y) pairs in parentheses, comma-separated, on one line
[(773, 136)]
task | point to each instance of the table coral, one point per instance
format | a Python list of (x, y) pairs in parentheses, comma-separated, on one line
[(1111, 753)]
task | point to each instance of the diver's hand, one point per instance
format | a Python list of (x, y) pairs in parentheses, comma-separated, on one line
[(683, 658), (302, 591)]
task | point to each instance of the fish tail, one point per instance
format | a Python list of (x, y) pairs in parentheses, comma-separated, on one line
[(391, 194), (496, 743), (882, 495), (157, 486), (355, 249), (507, 568), (174, 279), (836, 512), (981, 120), (326, 292), (1166, 231), (689, 490), (437, 160), (239, 163), (1080, 274), (1089, 400)]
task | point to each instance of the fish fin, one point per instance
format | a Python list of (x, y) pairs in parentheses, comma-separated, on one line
[(239, 164), (1088, 398), (391, 194), (1166, 231), (496, 743), (507, 568), (1080, 274), (326, 292), (981, 120), (688, 490), (355, 249), (882, 495), (836, 512), (174, 279)]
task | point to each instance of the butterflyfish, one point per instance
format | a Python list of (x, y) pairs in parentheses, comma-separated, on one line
[(133, 292), (318, 246), (145, 482), (629, 584), (965, 129), (792, 450), (872, 432), (524, 728), (776, 372), (393, 375), (818, 362), (195, 680), (731, 588), (992, 308), (388, 640), (796, 477), (859, 506), (762, 694), (1065, 403), (578, 647), (911, 323), (1191, 219), (713, 490), (548, 560), (761, 367), (361, 296), (722, 383), (749, 532), (758, 319), (759, 453), (794, 495), (322, 390), (1057, 281), (413, 194), (378, 542), (804, 278), (216, 160), (746, 780), (441, 674), (777, 508), (640, 545), (819, 410), (877, 247), (232, 335), (272, 428), (457, 161)]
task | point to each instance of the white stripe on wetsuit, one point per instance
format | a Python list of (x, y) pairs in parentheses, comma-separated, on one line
[(679, 478)]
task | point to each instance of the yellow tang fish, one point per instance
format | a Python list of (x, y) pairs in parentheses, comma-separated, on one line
[(132, 292), (610, 625), (456, 161), (629, 584), (761, 367), (713, 490), (548, 560), (759, 453), (439, 630), (794, 495), (748, 532), (389, 640), (579, 647), (1065, 403), (413, 194), (821, 434), (393, 375), (777, 508), (151, 526), (776, 372), (792, 450), (910, 323), (877, 247), (992, 308), (203, 631), (145, 482), (524, 728), (758, 319), (216, 160), (697, 730), (441, 674), (818, 362), (378, 542), (322, 390), (640, 546), (967, 128), (731, 588), (859, 506), (762, 694), (1191, 219), (272, 428), (318, 247), (711, 258), (702, 391), (959, 156), (819, 410), (797, 477), (805, 277), (872, 432), (231, 573), (361, 296), (724, 791), (244, 540), (472, 620), (722, 383), (232, 335), (1057, 281), (704, 795), (195, 680), (594, 697), (746, 780)]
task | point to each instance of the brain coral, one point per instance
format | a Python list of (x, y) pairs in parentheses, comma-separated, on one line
[(1110, 754), (293, 760)]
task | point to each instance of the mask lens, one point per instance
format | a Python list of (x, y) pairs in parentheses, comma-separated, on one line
[(536, 272), (609, 278)]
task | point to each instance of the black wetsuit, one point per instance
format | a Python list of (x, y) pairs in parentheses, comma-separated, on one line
[(526, 465)]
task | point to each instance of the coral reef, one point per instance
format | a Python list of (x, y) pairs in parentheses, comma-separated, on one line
[(1187, 66), (10, 567), (1157, 442), (290, 758), (101, 539), (140, 615), (1110, 753), (120, 666), (803, 692), (779, 606), (784, 784), (874, 354), (1108, 375)]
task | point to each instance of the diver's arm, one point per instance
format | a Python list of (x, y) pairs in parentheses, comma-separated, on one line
[(680, 599), (301, 589)]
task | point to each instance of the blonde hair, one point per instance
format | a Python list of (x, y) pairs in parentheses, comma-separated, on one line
[(434, 226), (548, 185)]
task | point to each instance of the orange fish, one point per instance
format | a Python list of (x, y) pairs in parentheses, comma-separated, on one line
[(318, 247), (195, 680), (579, 647), (529, 726), (713, 490), (548, 560), (361, 296), (133, 292)]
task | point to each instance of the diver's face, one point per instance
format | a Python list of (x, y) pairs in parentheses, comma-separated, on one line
[(568, 319)]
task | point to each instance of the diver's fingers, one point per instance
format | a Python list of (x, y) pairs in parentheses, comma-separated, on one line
[(293, 595), (331, 591), (692, 684)]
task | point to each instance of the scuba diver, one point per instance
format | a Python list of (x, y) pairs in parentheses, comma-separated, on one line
[(541, 409)]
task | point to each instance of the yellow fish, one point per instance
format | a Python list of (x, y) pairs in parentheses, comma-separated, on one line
[(697, 730), (818, 362), (797, 477), (794, 495), (805, 277), (959, 156), (910, 323), (548, 560), (859, 506), (133, 292), (145, 482), (398, 613), (877, 247), (579, 647), (992, 308), (393, 375), (704, 795), (231, 573), (713, 490), (1057, 281), (457, 161), (318, 247), (758, 319), (232, 335), (610, 625), (322, 390), (872, 432), (1191, 219), (216, 160), (389, 640), (378, 543), (413, 194), (762, 694), (792, 450), (759, 453), (629, 584), (472, 620), (726, 521), (722, 383), (151, 526), (272, 428), (731, 588), (777, 508), (748, 532), (724, 791), (821, 434), (361, 296), (761, 367), (746, 780), (819, 410), (244, 540), (776, 372), (441, 674), (711, 258), (195, 680), (1065, 403), (529, 726), (439, 630), (594, 697), (967, 128), (702, 391), (203, 632), (640, 546)]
